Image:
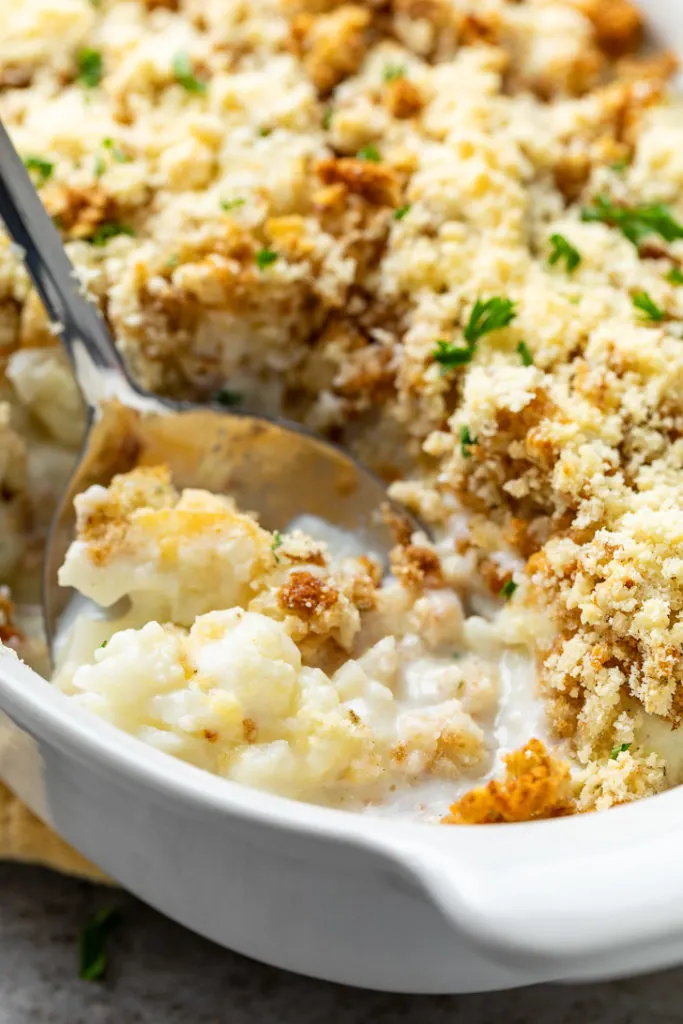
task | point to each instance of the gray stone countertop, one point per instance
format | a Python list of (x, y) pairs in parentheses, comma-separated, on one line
[(162, 974)]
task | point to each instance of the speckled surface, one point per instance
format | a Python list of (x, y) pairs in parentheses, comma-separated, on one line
[(162, 974)]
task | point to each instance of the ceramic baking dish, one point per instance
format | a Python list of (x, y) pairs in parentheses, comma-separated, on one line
[(350, 898)]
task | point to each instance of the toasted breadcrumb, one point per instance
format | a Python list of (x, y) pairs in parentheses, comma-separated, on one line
[(536, 785)]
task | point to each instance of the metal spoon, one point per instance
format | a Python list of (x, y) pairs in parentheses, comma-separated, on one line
[(273, 468)]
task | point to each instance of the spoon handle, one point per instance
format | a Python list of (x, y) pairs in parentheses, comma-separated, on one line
[(82, 330)]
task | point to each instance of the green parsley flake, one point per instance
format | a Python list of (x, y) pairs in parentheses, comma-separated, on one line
[(229, 398), (277, 543), (564, 250), (116, 151), (449, 356), (649, 308), (185, 76), (489, 316), (675, 276), (43, 168), (392, 72), (525, 354), (466, 442), (99, 167), (508, 589), (401, 212), (265, 258), (621, 749), (109, 229), (93, 943), (90, 67), (104, 643), (327, 118), (635, 222), (231, 204), (173, 260), (619, 166), (370, 153)]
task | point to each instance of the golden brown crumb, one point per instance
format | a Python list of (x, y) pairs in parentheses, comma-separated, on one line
[(618, 25), (536, 785), (331, 46), (78, 211), (403, 98), (480, 28), (416, 566), (377, 183), (307, 595)]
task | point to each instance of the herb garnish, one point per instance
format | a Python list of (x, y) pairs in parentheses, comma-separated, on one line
[(228, 398), (485, 317), (265, 258), (621, 749), (99, 167), (525, 354), (392, 72), (400, 213), (231, 204), (466, 442), (327, 118), (109, 229), (116, 151), (619, 166), (508, 589), (185, 76), (635, 222), (489, 316), (90, 67), (649, 308), (564, 250), (370, 153), (104, 644), (277, 543), (675, 275), (43, 168), (450, 356), (93, 942)]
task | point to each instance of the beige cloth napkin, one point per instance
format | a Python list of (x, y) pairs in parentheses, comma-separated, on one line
[(24, 838)]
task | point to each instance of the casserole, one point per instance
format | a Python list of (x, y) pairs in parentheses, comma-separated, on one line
[(379, 904)]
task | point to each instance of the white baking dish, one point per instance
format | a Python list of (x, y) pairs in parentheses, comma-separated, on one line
[(369, 902)]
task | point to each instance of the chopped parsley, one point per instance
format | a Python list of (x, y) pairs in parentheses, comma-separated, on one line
[(228, 398), (491, 315), (277, 543), (449, 356), (564, 250), (401, 212), (99, 167), (621, 749), (93, 943), (675, 276), (649, 308), (185, 76), (109, 229), (392, 72), (104, 643), (370, 153), (265, 258), (231, 204), (43, 168), (173, 260), (116, 151), (619, 166), (525, 354), (635, 222), (327, 118), (90, 67), (508, 589), (466, 442)]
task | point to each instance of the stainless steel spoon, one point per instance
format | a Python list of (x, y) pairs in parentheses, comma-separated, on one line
[(274, 468)]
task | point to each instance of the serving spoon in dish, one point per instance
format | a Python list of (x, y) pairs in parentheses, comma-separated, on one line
[(274, 468)]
